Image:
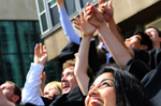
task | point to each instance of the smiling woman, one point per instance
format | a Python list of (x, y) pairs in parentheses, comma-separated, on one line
[(114, 87)]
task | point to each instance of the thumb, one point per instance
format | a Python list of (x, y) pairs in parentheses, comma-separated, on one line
[(110, 4)]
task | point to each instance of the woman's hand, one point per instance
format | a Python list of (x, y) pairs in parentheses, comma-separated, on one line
[(106, 9), (94, 16), (83, 25)]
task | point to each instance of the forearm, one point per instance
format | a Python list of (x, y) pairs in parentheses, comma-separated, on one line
[(67, 26), (31, 90), (117, 48), (81, 66), (115, 30)]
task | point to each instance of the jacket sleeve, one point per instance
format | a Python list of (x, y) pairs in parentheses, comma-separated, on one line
[(67, 26), (31, 91)]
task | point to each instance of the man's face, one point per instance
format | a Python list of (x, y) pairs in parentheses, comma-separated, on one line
[(7, 90), (153, 34), (133, 42), (68, 81)]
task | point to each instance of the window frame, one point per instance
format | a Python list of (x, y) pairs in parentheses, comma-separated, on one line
[(50, 27)]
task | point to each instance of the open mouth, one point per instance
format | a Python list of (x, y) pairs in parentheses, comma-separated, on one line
[(96, 100), (65, 86)]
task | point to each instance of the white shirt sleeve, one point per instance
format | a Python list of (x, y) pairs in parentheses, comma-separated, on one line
[(31, 90)]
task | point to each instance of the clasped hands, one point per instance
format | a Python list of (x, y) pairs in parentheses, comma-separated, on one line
[(92, 18)]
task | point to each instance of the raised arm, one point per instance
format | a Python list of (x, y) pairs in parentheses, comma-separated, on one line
[(31, 91), (119, 51), (81, 66), (66, 23), (116, 47), (106, 10)]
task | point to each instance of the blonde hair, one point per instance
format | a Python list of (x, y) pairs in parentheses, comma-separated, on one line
[(56, 85)]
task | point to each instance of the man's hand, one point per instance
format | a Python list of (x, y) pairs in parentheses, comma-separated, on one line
[(60, 2), (40, 54)]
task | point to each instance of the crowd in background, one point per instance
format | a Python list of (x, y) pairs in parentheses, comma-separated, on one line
[(100, 67)]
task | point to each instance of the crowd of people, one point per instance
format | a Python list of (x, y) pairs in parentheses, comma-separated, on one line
[(100, 67)]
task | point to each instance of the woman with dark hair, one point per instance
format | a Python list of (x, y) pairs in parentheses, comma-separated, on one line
[(114, 87)]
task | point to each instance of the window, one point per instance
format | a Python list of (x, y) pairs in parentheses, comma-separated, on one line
[(43, 22), (42, 14), (17, 41), (53, 9), (41, 6), (84, 2), (70, 6), (48, 12)]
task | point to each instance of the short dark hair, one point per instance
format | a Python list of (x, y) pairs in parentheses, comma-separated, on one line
[(129, 91), (159, 32), (145, 40), (17, 91)]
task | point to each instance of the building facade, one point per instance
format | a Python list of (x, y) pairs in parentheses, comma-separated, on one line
[(130, 15), (19, 31)]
